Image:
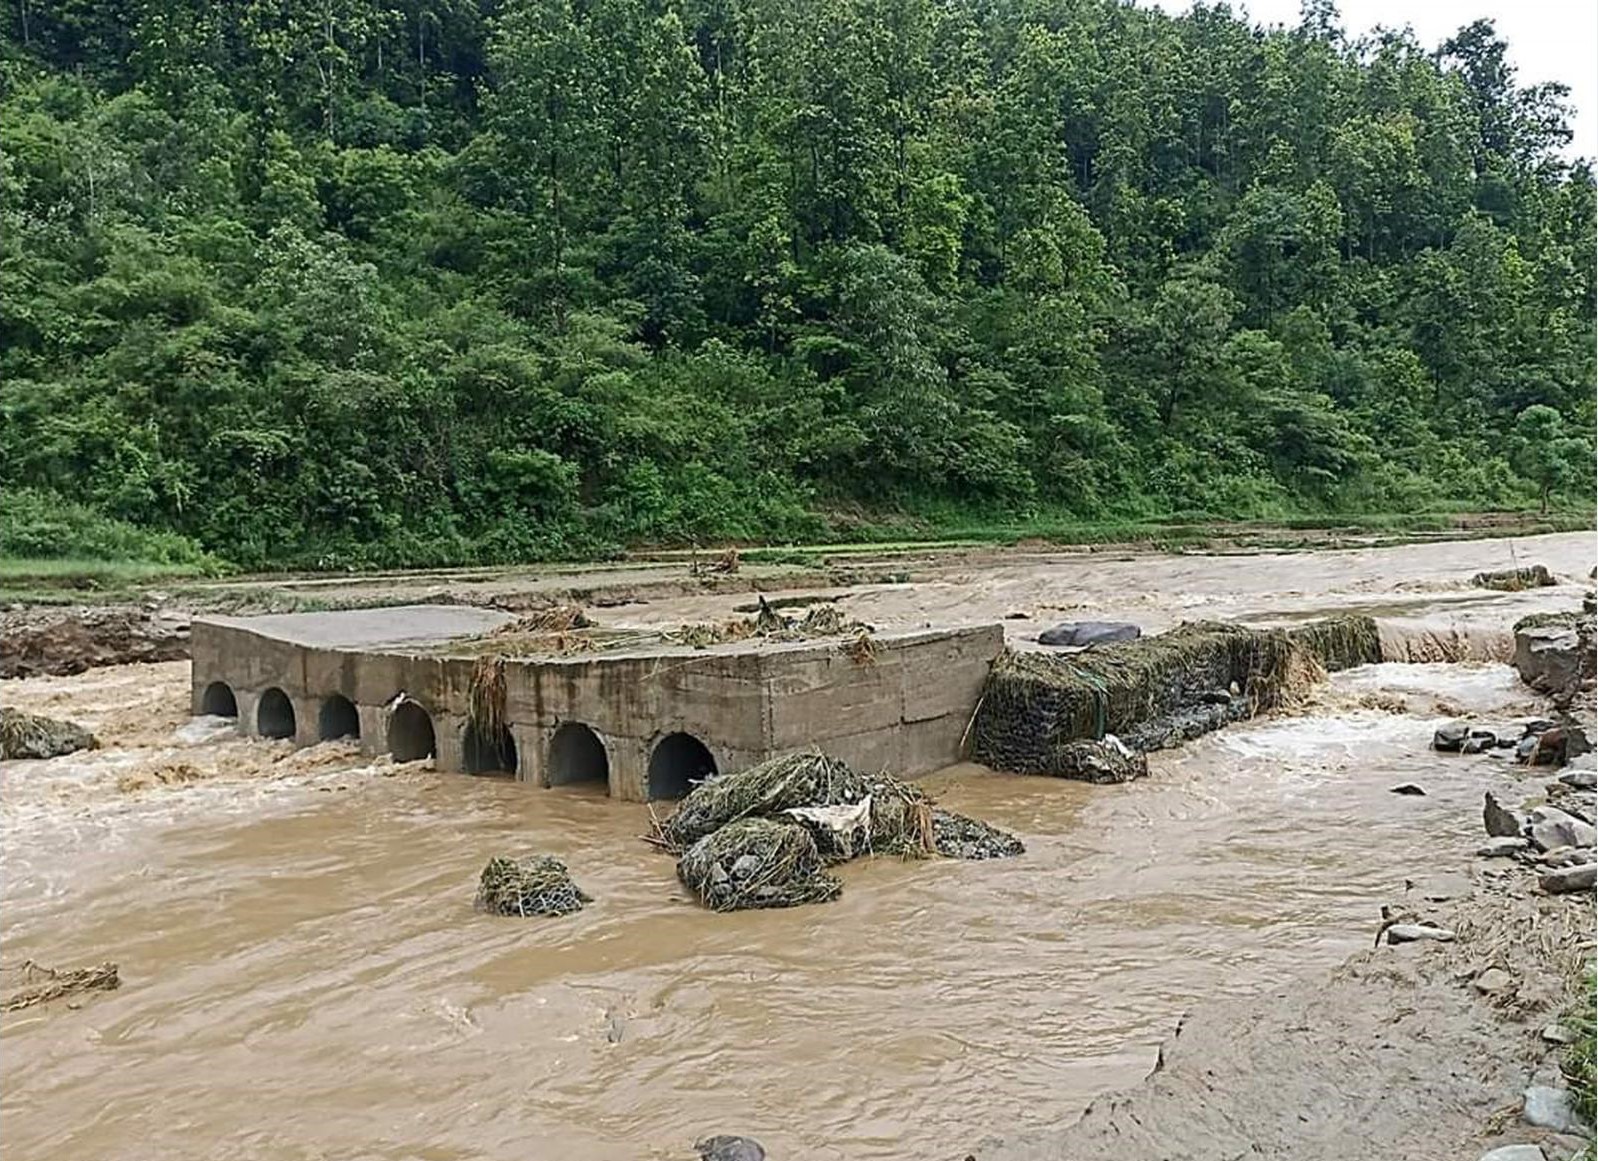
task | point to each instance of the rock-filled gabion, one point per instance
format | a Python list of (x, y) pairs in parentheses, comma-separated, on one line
[(757, 862), (1514, 580), (959, 837), (762, 837), (24, 735), (1153, 692), (796, 782), (536, 885)]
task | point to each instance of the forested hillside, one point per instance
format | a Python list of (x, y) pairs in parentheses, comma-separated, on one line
[(344, 282)]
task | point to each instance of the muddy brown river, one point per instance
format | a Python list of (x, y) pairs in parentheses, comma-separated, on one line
[(304, 976)]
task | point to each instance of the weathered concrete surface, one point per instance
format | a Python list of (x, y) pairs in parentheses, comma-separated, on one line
[(904, 708)]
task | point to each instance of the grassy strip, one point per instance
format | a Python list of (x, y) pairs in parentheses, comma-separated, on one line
[(58, 581), (1580, 1067)]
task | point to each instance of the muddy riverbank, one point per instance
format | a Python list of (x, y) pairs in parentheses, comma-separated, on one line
[(303, 974)]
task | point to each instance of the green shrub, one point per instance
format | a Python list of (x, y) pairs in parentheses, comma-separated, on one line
[(41, 525)]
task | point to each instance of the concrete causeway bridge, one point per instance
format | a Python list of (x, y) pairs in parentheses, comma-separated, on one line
[(645, 721)]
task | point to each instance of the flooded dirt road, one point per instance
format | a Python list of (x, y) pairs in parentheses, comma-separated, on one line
[(304, 976)]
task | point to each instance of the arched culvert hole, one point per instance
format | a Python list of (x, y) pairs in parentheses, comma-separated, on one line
[(218, 700), (679, 761), (410, 733), (274, 717), (577, 755), (485, 753), (339, 719)]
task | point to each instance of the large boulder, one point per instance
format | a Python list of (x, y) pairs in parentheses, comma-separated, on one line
[(24, 735), (1082, 633), (1550, 828), (1553, 653), (1570, 880)]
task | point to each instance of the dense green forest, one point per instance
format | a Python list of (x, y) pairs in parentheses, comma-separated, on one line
[(356, 282)]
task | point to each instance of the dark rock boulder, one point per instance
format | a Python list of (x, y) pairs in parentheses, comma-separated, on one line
[(1451, 738), (728, 1148), (1500, 821), (1082, 633)]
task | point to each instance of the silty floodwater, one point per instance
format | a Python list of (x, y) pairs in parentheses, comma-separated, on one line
[(304, 976)]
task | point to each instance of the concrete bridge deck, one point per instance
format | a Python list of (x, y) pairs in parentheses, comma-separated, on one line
[(646, 721)]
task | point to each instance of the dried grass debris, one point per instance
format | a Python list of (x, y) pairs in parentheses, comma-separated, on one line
[(29, 983)]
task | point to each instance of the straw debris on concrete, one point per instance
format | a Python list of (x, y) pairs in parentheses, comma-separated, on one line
[(1153, 692), (820, 621), (534, 885), (25, 735)]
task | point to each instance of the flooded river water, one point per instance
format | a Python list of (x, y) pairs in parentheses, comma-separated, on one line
[(304, 976)]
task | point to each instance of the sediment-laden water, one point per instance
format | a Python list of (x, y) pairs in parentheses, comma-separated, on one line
[(304, 975)]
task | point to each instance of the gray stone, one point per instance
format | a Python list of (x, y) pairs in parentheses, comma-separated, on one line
[(1478, 743), (1548, 827), (1558, 1034), (1566, 857), (1583, 762), (725, 1148), (1580, 779), (1515, 1153), (1083, 633), (1492, 980), (1408, 788), (1503, 847), (1416, 932), (1499, 819), (1549, 1108), (1448, 739), (1568, 880), (1548, 657)]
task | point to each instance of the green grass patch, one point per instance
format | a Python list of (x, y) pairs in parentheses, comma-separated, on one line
[(1580, 1068), (58, 581)]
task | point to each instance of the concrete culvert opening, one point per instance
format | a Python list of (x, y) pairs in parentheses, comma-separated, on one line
[(339, 719), (218, 700), (274, 717), (410, 733), (577, 755), (485, 753), (678, 762)]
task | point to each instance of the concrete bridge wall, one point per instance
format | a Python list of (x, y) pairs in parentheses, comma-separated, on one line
[(905, 710)]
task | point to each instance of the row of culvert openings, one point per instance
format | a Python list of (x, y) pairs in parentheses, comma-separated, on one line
[(274, 713), (679, 761), (576, 754)]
